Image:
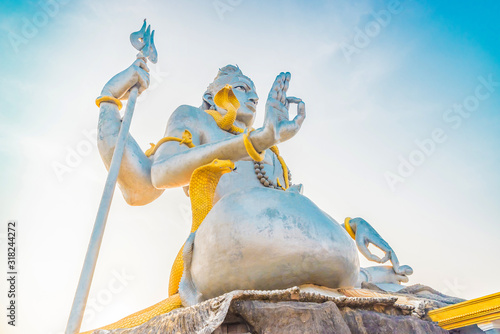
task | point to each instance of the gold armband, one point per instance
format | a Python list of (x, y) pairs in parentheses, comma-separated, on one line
[(348, 228), (249, 147), (108, 99)]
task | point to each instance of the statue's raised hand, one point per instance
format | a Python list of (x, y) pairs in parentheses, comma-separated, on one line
[(277, 125), (136, 74), (365, 235)]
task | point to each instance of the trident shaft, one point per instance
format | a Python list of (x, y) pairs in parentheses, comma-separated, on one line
[(142, 40)]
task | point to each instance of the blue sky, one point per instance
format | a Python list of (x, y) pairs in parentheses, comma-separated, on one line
[(366, 112)]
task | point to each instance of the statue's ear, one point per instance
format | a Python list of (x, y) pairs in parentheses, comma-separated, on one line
[(208, 101)]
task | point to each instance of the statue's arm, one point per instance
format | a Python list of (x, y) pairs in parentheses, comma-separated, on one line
[(173, 163), (134, 178), (365, 235), (173, 166)]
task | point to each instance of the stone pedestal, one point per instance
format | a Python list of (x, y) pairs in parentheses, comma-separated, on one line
[(307, 309), (303, 317)]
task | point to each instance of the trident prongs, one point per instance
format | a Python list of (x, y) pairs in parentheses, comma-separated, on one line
[(144, 52), (143, 40), (153, 54), (137, 38)]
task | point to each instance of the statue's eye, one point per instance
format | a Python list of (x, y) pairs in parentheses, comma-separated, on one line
[(242, 88)]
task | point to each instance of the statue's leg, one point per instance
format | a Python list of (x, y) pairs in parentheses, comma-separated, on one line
[(266, 239), (187, 289)]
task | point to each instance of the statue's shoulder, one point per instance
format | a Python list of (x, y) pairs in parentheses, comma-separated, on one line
[(190, 114)]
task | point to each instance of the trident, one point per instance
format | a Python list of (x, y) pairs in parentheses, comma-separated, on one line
[(142, 40)]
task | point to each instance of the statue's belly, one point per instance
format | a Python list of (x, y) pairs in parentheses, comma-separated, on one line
[(268, 239)]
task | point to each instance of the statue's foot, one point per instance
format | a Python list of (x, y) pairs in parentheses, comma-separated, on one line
[(385, 275)]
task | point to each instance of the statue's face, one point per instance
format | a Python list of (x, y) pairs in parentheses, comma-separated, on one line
[(244, 90)]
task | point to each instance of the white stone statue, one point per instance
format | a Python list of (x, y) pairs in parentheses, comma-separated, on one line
[(257, 235)]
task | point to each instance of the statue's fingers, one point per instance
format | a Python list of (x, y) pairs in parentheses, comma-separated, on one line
[(384, 247), (293, 99), (363, 248), (143, 80), (386, 257), (140, 62), (405, 269), (144, 74), (301, 113), (402, 278), (383, 244), (283, 97), (282, 91), (273, 93), (125, 95), (282, 80), (395, 263), (288, 76), (277, 82)]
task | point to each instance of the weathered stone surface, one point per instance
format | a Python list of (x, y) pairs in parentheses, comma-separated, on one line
[(238, 328), (432, 299), (305, 317), (307, 309), (369, 322), (291, 317)]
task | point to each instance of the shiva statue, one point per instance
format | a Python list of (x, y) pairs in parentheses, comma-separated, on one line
[(257, 231)]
